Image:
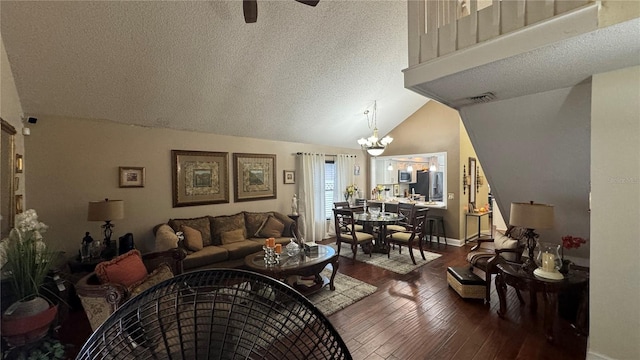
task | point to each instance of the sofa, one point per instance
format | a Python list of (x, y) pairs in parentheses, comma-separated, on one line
[(223, 241)]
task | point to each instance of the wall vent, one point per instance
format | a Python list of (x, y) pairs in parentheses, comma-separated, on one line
[(483, 98)]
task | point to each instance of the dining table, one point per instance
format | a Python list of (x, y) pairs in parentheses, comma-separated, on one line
[(371, 221)]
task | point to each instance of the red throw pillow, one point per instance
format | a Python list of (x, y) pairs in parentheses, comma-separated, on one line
[(126, 269)]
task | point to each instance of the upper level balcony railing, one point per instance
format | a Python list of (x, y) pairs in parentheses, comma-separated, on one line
[(441, 27)]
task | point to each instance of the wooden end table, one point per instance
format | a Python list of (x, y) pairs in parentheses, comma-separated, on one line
[(519, 278), (301, 265)]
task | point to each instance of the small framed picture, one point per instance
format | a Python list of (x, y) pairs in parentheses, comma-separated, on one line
[(19, 164), (131, 176), (289, 176), (356, 170)]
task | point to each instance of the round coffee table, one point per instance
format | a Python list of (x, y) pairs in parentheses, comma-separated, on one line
[(306, 265)]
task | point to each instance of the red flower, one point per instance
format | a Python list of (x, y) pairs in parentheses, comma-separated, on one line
[(572, 242)]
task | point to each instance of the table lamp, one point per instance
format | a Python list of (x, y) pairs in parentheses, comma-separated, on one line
[(106, 211), (531, 216)]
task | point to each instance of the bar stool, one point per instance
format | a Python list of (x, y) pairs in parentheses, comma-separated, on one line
[(436, 221)]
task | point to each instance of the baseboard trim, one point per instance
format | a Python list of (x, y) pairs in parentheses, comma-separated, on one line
[(450, 241), (595, 356)]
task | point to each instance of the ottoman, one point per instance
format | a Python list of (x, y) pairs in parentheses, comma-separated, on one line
[(467, 284)]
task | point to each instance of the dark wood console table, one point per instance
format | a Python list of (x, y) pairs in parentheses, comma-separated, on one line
[(516, 276)]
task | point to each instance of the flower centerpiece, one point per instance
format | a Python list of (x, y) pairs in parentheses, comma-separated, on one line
[(350, 191), (377, 192), (26, 261), (569, 242)]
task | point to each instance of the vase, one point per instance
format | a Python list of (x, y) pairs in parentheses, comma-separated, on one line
[(27, 321), (548, 257), (293, 248)]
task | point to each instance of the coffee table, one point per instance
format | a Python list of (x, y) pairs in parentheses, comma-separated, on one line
[(301, 265)]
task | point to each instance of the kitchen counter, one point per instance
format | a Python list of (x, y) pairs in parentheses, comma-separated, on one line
[(395, 201)]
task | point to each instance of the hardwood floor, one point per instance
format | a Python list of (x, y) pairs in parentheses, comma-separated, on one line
[(417, 316)]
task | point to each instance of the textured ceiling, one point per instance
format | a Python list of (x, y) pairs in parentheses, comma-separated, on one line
[(197, 66)]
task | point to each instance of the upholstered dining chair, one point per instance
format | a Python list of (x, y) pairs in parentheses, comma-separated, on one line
[(488, 252), (346, 230), (406, 210), (415, 231)]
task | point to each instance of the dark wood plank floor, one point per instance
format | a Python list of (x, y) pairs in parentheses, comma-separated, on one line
[(417, 316)]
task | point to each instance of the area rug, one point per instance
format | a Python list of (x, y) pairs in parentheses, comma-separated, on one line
[(348, 291), (398, 263)]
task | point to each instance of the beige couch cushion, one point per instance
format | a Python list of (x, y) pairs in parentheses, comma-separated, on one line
[(240, 249), (201, 224), (166, 238), (207, 256), (192, 238), (224, 223), (232, 236)]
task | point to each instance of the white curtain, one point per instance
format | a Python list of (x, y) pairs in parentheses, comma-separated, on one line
[(311, 196), (344, 175)]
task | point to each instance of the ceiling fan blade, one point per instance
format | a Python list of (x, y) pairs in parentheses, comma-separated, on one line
[(309, 2), (250, 9)]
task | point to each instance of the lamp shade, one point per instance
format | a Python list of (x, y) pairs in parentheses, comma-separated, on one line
[(106, 210), (531, 216)]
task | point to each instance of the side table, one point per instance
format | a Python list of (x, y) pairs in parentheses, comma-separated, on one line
[(522, 279), (478, 216)]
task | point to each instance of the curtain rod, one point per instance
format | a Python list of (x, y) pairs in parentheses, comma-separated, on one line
[(300, 153)]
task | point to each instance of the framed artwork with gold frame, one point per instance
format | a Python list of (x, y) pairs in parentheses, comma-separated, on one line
[(200, 177), (254, 177)]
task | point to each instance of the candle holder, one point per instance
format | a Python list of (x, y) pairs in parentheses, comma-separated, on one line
[(548, 260), (270, 256)]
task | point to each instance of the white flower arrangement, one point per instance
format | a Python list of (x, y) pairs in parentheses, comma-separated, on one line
[(25, 257)]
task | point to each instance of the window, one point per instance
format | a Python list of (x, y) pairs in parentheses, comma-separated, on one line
[(329, 187)]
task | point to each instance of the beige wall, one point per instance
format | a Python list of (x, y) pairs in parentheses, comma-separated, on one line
[(73, 161), (617, 11), (11, 112), (615, 210), (482, 194), (437, 128)]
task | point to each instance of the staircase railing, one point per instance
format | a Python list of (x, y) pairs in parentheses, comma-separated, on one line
[(441, 27)]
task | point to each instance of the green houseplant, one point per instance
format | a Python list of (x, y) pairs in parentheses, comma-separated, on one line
[(26, 261)]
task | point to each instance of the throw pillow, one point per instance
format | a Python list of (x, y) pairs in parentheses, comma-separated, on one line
[(232, 236), (162, 273), (201, 224), (271, 227), (192, 238), (254, 220), (166, 238), (220, 224), (501, 242), (125, 269)]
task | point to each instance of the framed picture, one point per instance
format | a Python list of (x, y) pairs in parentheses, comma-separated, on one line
[(19, 163), (289, 176), (473, 186), (254, 177), (356, 170), (19, 208), (131, 176), (396, 189), (200, 177)]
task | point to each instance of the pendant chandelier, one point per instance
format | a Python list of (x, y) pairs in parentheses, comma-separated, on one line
[(373, 144)]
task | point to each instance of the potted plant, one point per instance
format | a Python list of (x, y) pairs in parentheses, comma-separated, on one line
[(26, 261)]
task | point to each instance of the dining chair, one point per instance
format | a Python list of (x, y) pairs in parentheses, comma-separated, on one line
[(341, 205), (346, 230), (413, 234), (406, 210)]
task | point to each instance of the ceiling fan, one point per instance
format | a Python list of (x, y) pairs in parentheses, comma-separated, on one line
[(250, 8)]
